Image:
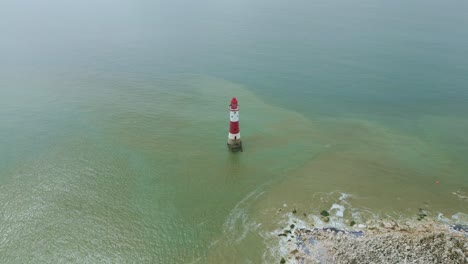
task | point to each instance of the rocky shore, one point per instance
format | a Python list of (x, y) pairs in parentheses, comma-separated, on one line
[(378, 242)]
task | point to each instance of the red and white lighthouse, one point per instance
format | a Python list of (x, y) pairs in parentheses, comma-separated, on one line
[(234, 142)]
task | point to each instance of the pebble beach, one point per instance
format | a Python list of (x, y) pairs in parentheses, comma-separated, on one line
[(379, 242)]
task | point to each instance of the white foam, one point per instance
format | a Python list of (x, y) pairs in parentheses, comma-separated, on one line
[(460, 195), (339, 210), (356, 215), (238, 218), (281, 246), (441, 218), (344, 196), (460, 218), (213, 243)]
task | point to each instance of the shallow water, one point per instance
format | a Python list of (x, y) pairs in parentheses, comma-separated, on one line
[(113, 130)]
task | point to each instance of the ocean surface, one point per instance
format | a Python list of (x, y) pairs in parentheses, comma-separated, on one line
[(114, 121)]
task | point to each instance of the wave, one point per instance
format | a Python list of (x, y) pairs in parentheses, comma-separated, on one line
[(238, 223)]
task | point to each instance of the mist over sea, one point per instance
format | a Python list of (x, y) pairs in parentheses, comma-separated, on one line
[(114, 121)]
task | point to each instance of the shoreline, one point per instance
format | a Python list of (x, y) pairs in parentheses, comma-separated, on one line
[(380, 241)]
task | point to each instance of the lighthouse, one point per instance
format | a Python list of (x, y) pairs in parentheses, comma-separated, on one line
[(234, 142)]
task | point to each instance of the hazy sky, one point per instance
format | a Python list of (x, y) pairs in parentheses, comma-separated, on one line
[(64, 31)]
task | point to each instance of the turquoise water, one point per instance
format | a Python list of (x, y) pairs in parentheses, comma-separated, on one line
[(114, 118)]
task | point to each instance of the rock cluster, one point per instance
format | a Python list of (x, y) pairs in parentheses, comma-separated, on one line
[(387, 242)]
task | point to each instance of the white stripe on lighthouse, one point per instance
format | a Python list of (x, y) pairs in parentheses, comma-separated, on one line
[(234, 136), (234, 116)]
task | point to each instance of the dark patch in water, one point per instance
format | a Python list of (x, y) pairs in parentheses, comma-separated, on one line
[(460, 228)]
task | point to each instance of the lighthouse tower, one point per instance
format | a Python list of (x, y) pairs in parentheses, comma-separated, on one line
[(234, 142)]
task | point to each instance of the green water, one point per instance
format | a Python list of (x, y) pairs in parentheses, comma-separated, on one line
[(114, 118)]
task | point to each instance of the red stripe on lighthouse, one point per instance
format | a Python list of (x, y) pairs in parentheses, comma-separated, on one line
[(233, 127)]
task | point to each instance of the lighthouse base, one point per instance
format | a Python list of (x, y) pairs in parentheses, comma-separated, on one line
[(235, 145)]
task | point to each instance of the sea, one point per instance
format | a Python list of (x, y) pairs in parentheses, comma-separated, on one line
[(114, 118)]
